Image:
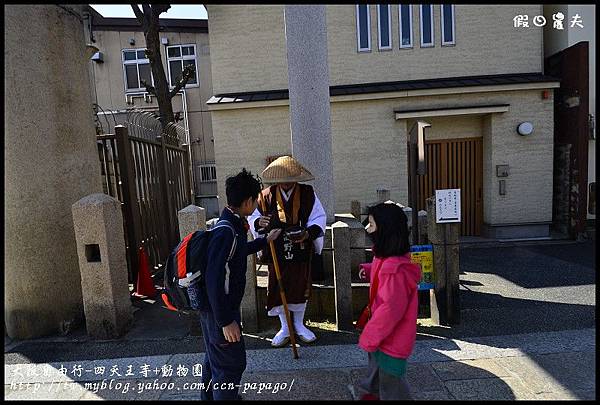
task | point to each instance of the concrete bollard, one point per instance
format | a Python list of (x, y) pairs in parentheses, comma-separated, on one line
[(191, 219), (341, 275), (445, 303), (249, 305), (98, 224)]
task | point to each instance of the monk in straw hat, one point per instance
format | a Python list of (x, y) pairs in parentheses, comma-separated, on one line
[(295, 208)]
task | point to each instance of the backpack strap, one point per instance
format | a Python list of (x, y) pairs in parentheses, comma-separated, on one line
[(186, 282), (231, 252), (233, 246)]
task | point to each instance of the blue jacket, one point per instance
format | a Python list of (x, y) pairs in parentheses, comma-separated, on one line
[(212, 294)]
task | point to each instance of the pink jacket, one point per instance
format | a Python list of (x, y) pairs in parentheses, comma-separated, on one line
[(392, 328)]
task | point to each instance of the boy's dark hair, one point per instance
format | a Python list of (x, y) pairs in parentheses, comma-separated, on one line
[(391, 236), (241, 187)]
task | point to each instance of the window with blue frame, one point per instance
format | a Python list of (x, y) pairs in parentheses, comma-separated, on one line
[(384, 17), (426, 25), (447, 21), (363, 27), (405, 25)]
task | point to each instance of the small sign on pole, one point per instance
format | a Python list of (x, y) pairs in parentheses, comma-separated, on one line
[(447, 205)]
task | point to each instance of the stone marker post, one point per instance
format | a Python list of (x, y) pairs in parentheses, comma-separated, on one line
[(308, 82), (341, 275), (98, 224), (191, 219), (445, 302)]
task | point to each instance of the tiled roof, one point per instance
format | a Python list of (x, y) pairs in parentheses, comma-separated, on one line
[(465, 81)]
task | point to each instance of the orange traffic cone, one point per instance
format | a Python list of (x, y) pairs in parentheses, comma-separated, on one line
[(145, 285)]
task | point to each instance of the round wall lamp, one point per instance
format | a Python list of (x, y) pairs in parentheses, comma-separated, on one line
[(525, 128)]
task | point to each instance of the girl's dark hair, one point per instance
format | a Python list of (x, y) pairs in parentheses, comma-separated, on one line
[(241, 187), (391, 236)]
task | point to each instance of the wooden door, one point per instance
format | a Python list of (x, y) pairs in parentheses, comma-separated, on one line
[(456, 163)]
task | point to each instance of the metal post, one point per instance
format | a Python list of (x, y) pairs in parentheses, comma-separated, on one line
[(416, 158), (165, 192), (130, 204)]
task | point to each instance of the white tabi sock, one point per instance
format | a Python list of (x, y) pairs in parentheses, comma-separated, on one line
[(302, 331), (282, 336)]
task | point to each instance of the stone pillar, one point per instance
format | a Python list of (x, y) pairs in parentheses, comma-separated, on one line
[(191, 219), (308, 81), (250, 300), (98, 224), (341, 275), (445, 305), (51, 161)]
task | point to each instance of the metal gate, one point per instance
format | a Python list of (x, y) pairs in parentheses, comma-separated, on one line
[(148, 170), (456, 163)]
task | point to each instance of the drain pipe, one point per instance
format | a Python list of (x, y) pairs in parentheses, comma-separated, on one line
[(188, 140)]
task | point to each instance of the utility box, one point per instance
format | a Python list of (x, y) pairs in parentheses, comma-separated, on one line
[(98, 224)]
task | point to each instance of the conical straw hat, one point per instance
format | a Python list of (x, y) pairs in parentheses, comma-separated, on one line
[(286, 169)]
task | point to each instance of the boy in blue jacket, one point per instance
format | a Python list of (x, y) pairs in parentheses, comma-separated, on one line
[(219, 297)]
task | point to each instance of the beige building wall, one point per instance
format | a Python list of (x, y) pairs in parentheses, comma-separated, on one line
[(486, 44), (249, 51), (529, 186), (369, 148), (247, 47), (247, 138)]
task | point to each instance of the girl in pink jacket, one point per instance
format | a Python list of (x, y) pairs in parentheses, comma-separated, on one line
[(389, 335)]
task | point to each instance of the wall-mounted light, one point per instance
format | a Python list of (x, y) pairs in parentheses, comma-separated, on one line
[(90, 50), (98, 57), (131, 41), (525, 128), (164, 41)]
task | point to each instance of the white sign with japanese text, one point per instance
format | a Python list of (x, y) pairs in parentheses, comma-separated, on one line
[(447, 205)]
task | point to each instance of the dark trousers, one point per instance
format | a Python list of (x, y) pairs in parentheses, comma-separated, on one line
[(224, 362)]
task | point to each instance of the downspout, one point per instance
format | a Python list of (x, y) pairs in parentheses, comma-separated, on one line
[(187, 137)]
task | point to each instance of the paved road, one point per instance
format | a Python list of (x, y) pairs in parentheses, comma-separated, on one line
[(546, 365), (504, 291)]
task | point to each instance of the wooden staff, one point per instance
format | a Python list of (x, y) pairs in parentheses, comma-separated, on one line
[(281, 291)]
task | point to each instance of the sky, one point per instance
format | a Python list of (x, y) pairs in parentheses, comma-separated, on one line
[(195, 11)]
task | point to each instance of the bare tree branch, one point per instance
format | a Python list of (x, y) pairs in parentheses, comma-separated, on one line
[(139, 15), (186, 75), (149, 88), (149, 14), (160, 8)]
